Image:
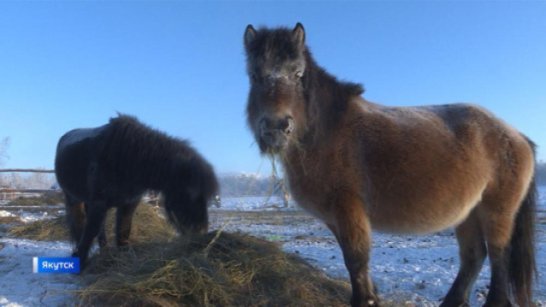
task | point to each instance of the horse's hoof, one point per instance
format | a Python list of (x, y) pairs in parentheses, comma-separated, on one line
[(123, 243), (506, 303), (369, 302), (456, 304)]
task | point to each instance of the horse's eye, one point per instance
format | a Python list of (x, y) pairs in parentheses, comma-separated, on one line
[(299, 74)]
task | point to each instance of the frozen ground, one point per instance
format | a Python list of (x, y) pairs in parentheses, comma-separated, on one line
[(413, 269)]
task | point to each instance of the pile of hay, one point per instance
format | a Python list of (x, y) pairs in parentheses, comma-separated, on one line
[(216, 269), (160, 268), (43, 230), (8, 218), (147, 225), (49, 198)]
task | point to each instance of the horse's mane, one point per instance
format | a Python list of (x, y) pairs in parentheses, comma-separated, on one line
[(141, 140), (132, 144), (327, 98)]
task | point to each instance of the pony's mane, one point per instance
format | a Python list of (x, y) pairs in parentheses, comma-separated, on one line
[(317, 78), (327, 98), (273, 43), (133, 144), (134, 135)]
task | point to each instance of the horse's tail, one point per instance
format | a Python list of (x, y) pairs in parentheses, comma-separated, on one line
[(522, 266)]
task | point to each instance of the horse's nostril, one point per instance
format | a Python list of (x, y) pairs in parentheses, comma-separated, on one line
[(289, 125), (270, 127)]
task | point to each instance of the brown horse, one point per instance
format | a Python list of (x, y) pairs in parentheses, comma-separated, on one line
[(360, 166)]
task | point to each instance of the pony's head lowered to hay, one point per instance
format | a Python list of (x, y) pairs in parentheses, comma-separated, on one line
[(115, 164)]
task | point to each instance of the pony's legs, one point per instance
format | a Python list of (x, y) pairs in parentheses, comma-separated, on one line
[(497, 233), (124, 219), (472, 252), (353, 233), (497, 214), (96, 212), (75, 217), (498, 290), (103, 241)]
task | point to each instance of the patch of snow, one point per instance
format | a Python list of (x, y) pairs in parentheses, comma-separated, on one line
[(20, 287), (249, 203), (418, 268), (4, 213), (28, 217)]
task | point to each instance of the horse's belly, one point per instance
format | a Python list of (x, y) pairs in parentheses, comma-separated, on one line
[(427, 217)]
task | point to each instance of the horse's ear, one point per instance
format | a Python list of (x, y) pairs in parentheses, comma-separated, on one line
[(250, 35), (299, 35)]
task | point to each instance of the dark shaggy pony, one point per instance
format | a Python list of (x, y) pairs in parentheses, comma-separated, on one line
[(360, 166), (115, 164)]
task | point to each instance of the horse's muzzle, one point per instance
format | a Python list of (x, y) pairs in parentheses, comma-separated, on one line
[(275, 133)]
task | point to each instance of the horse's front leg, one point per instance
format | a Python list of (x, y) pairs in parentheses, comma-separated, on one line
[(75, 217), (353, 232)]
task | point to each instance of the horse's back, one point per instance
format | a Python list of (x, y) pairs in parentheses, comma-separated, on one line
[(77, 136), (432, 165), (509, 153), (73, 159)]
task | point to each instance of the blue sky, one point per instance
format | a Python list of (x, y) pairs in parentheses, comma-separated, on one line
[(179, 66)]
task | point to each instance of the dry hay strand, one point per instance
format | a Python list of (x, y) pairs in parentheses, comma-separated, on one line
[(43, 230), (147, 225), (216, 269), (10, 219), (50, 198)]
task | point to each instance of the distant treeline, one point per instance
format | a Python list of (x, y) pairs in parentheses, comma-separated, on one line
[(541, 173), (236, 185), (233, 185), (248, 185)]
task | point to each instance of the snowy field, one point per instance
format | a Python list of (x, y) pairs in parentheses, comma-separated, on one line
[(416, 270)]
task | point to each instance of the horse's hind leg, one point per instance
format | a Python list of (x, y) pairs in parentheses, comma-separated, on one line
[(353, 233), (498, 219), (497, 246), (75, 217), (103, 241), (96, 212), (472, 252), (124, 219)]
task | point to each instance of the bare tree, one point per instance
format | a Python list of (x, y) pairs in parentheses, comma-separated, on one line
[(4, 143)]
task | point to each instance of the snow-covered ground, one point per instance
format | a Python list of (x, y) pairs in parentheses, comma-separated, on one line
[(418, 269), (20, 287)]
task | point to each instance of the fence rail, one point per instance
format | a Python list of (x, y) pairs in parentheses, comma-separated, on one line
[(26, 170), (8, 193)]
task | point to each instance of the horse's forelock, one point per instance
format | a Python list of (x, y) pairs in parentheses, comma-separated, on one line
[(274, 44)]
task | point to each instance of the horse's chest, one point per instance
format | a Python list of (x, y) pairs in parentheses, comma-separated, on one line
[(311, 188)]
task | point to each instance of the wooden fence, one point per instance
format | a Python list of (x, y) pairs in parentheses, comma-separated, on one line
[(25, 170), (7, 194)]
